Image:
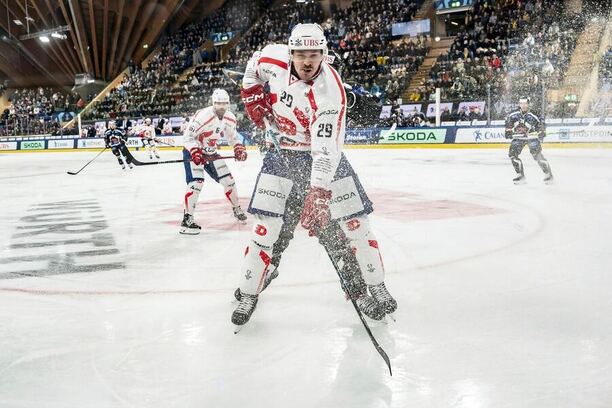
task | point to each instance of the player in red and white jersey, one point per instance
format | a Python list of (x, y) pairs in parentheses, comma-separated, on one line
[(203, 131), (146, 133), (300, 99)]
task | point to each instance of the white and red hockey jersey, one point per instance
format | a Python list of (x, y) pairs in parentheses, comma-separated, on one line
[(144, 132), (311, 115), (205, 129)]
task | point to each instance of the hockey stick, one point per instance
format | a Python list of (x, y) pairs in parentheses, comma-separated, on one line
[(377, 346), (230, 73), (139, 163), (74, 173), (529, 136), (272, 132), (164, 143), (388, 132)]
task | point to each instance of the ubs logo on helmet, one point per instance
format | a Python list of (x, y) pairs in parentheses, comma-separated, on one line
[(310, 42)]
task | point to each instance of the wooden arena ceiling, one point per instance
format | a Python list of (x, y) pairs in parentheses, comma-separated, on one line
[(104, 35)]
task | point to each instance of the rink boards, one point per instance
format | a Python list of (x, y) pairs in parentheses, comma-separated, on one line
[(445, 137)]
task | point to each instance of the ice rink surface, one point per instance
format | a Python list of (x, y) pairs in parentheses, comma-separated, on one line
[(504, 291)]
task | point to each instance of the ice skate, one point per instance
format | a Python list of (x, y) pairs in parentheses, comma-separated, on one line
[(240, 215), (370, 307), (188, 226), (549, 179), (383, 297), (243, 312), (520, 179)]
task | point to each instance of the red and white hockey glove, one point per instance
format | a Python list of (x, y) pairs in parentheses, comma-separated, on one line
[(196, 155), (257, 104), (315, 214), (240, 152)]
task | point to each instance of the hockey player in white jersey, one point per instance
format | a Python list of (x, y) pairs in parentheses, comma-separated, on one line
[(305, 172), (146, 132), (200, 154)]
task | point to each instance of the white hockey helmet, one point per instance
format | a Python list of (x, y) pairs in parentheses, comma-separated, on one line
[(112, 124), (307, 36), (220, 96), (147, 121)]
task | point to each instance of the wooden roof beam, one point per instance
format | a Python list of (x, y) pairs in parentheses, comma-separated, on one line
[(79, 26), (116, 29), (94, 38)]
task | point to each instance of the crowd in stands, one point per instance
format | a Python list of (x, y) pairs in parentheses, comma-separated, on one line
[(508, 47), (155, 88), (605, 71), (38, 110), (359, 34), (274, 27)]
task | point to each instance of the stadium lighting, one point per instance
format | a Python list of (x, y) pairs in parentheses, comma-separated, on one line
[(44, 39), (18, 22), (57, 32)]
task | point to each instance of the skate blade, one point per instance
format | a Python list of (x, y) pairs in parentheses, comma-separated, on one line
[(187, 231), (520, 182), (549, 182), (238, 328)]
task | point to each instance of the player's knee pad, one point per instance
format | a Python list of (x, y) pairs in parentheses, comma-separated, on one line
[(266, 230), (356, 228), (258, 254), (517, 163), (196, 185), (227, 182)]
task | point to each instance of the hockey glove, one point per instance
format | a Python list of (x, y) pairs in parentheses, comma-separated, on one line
[(257, 104), (240, 152), (315, 214), (196, 155)]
